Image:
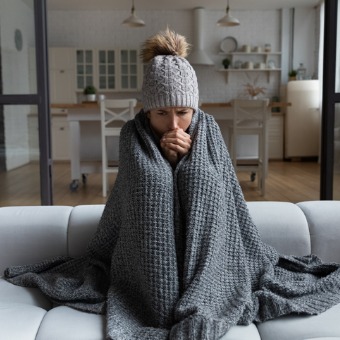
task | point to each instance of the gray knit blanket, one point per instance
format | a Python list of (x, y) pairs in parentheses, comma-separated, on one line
[(176, 254)]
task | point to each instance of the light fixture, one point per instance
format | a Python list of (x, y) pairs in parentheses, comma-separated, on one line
[(228, 20), (132, 20)]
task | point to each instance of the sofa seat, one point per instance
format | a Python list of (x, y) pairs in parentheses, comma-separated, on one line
[(301, 327), (20, 321), (70, 324), (31, 234)]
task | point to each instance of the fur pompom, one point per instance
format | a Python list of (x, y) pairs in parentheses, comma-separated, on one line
[(164, 43)]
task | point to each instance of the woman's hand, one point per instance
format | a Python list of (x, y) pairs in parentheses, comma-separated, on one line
[(175, 144)]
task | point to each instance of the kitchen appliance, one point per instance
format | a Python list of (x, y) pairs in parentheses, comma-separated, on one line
[(302, 121)]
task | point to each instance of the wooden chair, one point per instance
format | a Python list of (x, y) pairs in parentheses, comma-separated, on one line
[(250, 117), (114, 114)]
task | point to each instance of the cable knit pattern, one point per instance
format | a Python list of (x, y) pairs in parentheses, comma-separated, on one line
[(176, 254), (169, 81)]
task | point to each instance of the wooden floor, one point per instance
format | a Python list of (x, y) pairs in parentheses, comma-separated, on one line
[(287, 181)]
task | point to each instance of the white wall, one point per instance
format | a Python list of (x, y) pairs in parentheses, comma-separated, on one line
[(305, 40), (103, 28), (14, 14)]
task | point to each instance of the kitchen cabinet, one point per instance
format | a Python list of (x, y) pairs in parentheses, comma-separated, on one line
[(224, 115), (107, 74), (109, 69), (248, 144), (268, 62), (60, 135), (62, 75), (72, 69), (275, 137), (85, 68), (129, 69)]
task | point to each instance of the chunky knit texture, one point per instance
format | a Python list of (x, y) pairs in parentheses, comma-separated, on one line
[(176, 254), (169, 80)]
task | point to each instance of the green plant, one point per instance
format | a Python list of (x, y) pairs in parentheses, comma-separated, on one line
[(292, 73), (90, 89), (226, 62)]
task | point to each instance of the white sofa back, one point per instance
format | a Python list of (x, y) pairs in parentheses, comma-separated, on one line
[(31, 234)]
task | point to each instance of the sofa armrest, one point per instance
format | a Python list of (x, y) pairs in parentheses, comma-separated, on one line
[(32, 234)]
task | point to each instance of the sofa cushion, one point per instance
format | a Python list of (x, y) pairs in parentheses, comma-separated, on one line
[(39, 233), (324, 226), (325, 338), (302, 327), (10, 293), (81, 227), (65, 323), (282, 225), (19, 321), (249, 332)]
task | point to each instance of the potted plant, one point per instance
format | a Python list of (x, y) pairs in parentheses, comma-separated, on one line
[(292, 75), (90, 92), (226, 63)]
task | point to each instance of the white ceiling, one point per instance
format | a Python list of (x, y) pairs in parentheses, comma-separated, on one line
[(176, 4)]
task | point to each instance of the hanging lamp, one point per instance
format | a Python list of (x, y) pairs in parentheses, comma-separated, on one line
[(228, 20), (132, 20)]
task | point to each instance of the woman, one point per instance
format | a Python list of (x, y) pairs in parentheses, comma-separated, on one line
[(176, 254), (170, 93)]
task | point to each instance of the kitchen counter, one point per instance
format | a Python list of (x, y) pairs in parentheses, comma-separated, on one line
[(94, 104), (81, 122), (216, 109)]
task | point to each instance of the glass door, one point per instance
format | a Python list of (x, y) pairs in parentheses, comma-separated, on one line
[(336, 120), (25, 156)]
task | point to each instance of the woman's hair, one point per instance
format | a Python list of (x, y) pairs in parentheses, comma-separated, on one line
[(164, 43), (169, 79)]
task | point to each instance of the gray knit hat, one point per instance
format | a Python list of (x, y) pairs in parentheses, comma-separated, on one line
[(169, 79)]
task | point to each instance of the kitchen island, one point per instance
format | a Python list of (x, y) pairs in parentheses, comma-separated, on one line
[(83, 121)]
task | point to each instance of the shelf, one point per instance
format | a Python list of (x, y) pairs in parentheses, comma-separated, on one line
[(245, 70), (270, 60), (249, 69), (250, 53)]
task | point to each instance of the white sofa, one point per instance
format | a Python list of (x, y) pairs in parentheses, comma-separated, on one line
[(30, 234)]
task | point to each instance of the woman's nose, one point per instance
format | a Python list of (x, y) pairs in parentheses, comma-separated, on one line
[(173, 122)]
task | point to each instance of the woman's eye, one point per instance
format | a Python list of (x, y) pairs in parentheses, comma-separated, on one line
[(182, 113)]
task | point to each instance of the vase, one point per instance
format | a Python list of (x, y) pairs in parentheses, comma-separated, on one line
[(91, 97)]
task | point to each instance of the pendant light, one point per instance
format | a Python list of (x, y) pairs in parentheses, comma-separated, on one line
[(228, 20), (132, 20)]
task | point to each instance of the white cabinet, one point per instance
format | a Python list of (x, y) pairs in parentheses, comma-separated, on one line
[(108, 69), (60, 135), (275, 137), (269, 62), (129, 69), (62, 75), (84, 68)]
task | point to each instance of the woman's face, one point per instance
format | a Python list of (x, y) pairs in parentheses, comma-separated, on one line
[(165, 119)]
